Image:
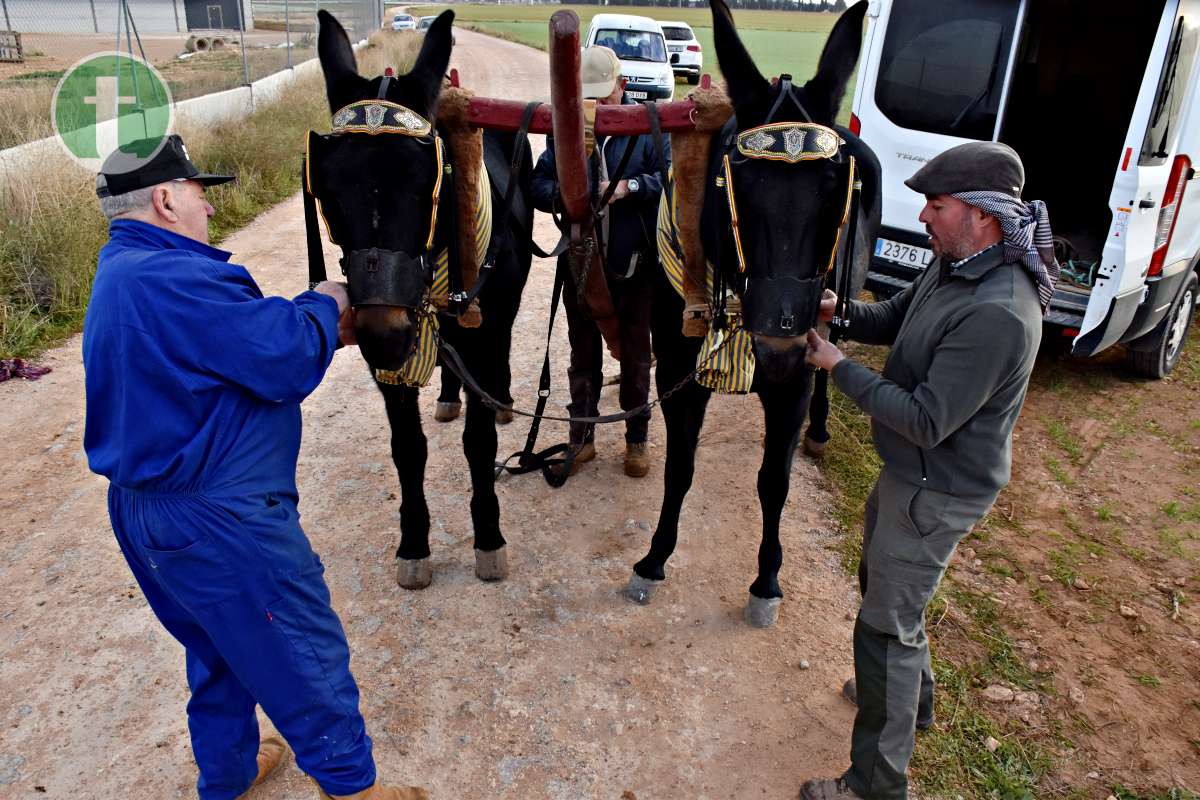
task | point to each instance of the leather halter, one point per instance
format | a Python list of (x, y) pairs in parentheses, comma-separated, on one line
[(784, 306), (377, 276)]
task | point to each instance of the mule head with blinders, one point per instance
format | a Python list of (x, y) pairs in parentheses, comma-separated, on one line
[(378, 178), (779, 188)]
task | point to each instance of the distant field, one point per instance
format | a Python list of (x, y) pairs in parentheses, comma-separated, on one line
[(780, 41)]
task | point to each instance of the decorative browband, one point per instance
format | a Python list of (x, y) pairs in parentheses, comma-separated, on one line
[(379, 116), (789, 141)]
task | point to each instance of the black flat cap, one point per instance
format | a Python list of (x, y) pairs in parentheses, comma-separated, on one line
[(126, 171), (972, 167)]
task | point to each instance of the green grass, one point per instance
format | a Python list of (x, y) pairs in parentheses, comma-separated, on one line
[(1058, 473), (51, 228), (1061, 433), (1121, 793)]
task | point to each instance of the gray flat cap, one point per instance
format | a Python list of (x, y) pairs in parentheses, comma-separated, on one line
[(971, 167)]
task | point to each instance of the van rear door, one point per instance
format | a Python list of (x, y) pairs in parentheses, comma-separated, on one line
[(1140, 225)]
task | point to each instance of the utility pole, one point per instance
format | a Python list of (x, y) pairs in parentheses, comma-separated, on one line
[(242, 38)]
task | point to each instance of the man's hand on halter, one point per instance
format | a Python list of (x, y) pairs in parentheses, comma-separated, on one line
[(821, 354), (338, 292), (828, 306), (620, 193)]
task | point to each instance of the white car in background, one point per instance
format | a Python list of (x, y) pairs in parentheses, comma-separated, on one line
[(687, 60), (404, 22)]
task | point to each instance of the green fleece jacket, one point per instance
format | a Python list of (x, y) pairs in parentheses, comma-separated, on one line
[(963, 346)]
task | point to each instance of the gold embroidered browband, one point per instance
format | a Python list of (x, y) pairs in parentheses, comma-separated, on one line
[(379, 116), (789, 141)]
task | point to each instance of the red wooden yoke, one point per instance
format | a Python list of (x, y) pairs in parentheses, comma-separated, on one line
[(564, 117)]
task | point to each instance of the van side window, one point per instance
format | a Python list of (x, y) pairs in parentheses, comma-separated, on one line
[(1172, 91), (944, 63)]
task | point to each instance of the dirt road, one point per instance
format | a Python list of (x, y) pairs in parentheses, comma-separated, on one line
[(546, 686)]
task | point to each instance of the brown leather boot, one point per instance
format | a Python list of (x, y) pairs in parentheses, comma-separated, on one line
[(583, 453), (379, 792), (637, 459), (272, 751)]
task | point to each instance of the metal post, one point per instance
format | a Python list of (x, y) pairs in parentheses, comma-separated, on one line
[(7, 24), (287, 27), (242, 38), (95, 23), (117, 50), (137, 89), (175, 8)]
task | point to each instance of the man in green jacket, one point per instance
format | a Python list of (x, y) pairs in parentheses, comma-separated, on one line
[(964, 337)]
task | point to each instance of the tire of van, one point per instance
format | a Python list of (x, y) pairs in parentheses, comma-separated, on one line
[(1157, 353), (693, 79)]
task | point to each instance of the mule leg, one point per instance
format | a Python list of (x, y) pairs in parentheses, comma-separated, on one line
[(480, 444), (817, 435), (504, 387), (683, 414), (409, 453), (784, 407), (449, 406)]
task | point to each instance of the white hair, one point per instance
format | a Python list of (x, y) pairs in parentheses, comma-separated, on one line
[(119, 205)]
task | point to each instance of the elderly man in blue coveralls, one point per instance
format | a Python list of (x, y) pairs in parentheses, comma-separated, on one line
[(194, 382)]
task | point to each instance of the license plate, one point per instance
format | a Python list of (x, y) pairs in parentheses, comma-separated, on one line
[(637, 95), (901, 253), (676, 48)]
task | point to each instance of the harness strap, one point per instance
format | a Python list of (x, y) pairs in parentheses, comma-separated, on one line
[(786, 90), (461, 298), (312, 231), (527, 459)]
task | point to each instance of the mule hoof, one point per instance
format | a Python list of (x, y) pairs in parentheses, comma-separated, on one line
[(504, 416), (491, 565), (413, 573), (762, 613), (640, 590), (814, 449), (445, 412)]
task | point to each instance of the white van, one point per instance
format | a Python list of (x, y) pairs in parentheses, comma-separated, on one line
[(642, 49), (1100, 99)]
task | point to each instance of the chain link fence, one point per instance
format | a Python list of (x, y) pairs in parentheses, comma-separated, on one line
[(199, 46)]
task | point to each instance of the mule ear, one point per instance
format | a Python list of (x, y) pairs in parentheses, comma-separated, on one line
[(838, 59), (430, 68), (743, 77), (337, 60)]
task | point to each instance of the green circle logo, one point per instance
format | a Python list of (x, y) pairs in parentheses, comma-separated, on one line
[(111, 101)]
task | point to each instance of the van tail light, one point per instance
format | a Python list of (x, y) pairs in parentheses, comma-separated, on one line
[(693, 48), (855, 125), (1181, 172)]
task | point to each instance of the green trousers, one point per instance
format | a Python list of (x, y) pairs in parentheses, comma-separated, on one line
[(909, 534)]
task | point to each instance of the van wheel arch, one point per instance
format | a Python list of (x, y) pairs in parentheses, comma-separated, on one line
[(1159, 351)]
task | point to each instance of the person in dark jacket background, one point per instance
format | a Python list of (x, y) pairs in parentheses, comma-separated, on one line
[(964, 337), (194, 381), (627, 238)]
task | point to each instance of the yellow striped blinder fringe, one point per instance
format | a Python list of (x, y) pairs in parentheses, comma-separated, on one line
[(731, 371)]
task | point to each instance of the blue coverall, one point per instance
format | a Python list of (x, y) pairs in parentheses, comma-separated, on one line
[(194, 382)]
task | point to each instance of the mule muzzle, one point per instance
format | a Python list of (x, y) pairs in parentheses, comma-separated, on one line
[(379, 277), (781, 307)]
